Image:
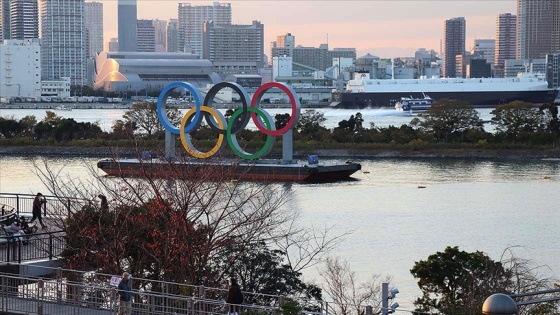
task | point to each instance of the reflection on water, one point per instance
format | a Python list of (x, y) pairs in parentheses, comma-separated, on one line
[(476, 205)]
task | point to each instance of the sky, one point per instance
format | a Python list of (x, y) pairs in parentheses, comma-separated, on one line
[(390, 28)]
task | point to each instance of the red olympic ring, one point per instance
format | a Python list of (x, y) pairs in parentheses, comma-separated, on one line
[(296, 107)]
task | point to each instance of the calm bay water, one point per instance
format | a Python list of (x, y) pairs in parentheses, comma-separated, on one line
[(476, 205), (106, 117)]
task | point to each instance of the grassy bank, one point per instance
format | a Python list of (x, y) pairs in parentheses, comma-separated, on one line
[(104, 148)]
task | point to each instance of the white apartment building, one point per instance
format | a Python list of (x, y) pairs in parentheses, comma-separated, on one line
[(20, 74), (63, 52), (94, 28), (191, 20)]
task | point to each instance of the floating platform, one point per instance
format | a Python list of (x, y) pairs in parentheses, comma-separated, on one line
[(262, 170)]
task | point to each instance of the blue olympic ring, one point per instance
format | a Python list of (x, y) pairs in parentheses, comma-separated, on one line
[(162, 106)]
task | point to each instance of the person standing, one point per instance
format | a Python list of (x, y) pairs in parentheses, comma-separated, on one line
[(234, 297), (104, 202), (125, 294), (38, 203)]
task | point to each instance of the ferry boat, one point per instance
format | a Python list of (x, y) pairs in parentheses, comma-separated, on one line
[(363, 92), (414, 105), (311, 171)]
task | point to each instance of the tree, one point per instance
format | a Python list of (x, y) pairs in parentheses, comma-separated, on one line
[(145, 118), (457, 282), (447, 117), (264, 270), (9, 128), (175, 229), (554, 124), (517, 117), (349, 296), (310, 121)]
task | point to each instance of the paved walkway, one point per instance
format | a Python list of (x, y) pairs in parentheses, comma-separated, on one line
[(28, 306)]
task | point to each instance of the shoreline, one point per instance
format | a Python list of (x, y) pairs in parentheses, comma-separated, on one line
[(360, 154)]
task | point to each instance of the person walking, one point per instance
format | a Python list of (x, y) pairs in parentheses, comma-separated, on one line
[(234, 297), (125, 294), (38, 203)]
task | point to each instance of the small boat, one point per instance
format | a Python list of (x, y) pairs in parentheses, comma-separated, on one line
[(414, 105), (63, 107)]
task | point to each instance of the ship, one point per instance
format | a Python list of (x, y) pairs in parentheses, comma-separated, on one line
[(311, 171), (414, 105), (362, 92)]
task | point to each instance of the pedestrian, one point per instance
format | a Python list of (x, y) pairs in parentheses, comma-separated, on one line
[(125, 294), (38, 203), (234, 297), (104, 203)]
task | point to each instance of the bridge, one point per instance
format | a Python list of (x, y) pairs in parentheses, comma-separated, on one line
[(32, 281)]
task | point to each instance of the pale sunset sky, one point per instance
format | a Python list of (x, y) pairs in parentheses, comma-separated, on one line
[(388, 28)]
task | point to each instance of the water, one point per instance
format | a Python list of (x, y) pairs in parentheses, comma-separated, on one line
[(476, 205), (106, 117)]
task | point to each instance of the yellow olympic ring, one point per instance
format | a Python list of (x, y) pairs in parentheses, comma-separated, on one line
[(186, 139)]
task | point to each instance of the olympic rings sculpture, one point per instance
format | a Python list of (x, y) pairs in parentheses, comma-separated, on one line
[(227, 130)]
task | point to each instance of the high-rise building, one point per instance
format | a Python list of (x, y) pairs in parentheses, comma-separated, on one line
[(146, 36), (127, 16), (24, 19), (538, 28), (191, 21), (506, 32), (94, 28), (172, 39), (4, 19), (63, 40), (234, 49), (454, 44), (160, 28)]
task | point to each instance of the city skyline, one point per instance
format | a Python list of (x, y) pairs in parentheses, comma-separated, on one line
[(388, 28)]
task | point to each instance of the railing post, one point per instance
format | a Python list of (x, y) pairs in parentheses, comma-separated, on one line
[(369, 310), (202, 294), (50, 246), (17, 204), (59, 285), (20, 248), (4, 294), (40, 295)]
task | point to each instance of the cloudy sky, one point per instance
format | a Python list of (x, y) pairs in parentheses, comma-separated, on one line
[(387, 28)]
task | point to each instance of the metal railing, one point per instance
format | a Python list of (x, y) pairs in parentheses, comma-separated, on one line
[(55, 206), (58, 296), (29, 247)]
